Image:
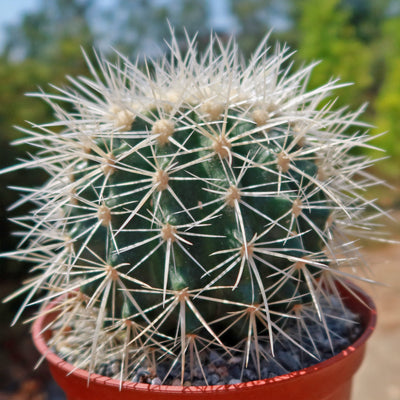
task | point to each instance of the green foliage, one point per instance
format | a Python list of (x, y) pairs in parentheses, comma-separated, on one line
[(367, 17), (143, 25), (45, 46), (40, 33), (325, 33), (17, 79), (253, 23), (387, 104)]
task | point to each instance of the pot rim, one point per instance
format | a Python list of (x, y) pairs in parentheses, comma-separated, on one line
[(363, 302)]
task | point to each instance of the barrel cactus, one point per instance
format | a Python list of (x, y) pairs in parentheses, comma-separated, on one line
[(193, 203)]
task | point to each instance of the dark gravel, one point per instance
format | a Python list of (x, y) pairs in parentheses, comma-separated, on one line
[(220, 369)]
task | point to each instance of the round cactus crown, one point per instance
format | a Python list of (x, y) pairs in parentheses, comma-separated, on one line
[(193, 202)]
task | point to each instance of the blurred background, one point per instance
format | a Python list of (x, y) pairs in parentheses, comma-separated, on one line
[(358, 41)]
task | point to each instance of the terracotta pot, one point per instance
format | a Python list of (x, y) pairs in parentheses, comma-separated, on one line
[(328, 380)]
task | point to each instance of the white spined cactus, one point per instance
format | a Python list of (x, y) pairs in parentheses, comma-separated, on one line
[(193, 203)]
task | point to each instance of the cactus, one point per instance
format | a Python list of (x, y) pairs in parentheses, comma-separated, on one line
[(194, 203)]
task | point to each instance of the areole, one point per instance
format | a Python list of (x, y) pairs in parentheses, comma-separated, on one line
[(328, 380)]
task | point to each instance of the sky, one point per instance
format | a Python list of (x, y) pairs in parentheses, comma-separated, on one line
[(11, 11)]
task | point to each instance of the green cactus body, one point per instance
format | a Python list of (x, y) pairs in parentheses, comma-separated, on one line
[(203, 202), (184, 201)]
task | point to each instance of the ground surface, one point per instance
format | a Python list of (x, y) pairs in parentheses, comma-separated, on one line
[(379, 376)]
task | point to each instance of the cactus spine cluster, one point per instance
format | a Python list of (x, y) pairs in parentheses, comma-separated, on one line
[(194, 202)]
